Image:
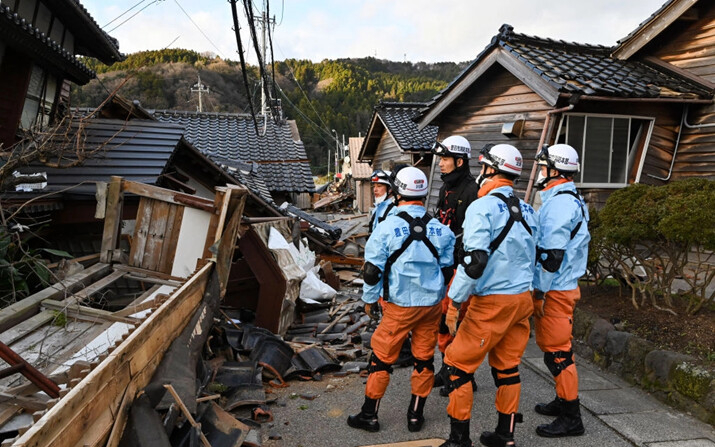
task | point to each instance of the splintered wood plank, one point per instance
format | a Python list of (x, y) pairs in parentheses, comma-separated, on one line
[(82, 407), (112, 219), (138, 271), (227, 242), (155, 236), (173, 227), (141, 230)]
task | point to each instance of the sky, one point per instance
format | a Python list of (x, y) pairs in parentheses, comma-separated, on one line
[(398, 30)]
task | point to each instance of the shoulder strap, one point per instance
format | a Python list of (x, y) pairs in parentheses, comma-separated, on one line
[(514, 207), (574, 232), (418, 232), (389, 207)]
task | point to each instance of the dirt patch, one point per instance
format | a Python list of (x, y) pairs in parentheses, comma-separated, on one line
[(688, 334)]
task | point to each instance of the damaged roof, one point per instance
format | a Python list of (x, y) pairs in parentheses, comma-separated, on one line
[(231, 138), (552, 67), (397, 118)]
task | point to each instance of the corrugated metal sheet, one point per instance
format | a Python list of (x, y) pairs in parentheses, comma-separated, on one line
[(136, 150)]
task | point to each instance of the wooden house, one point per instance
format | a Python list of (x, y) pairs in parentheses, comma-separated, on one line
[(39, 42), (361, 173), (394, 138), (624, 108)]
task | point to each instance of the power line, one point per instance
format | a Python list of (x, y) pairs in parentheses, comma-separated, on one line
[(310, 103), (120, 15), (133, 15), (199, 28)]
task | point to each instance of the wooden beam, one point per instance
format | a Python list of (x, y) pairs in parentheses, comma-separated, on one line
[(167, 195), (94, 287), (88, 313), (345, 260), (138, 271), (25, 308)]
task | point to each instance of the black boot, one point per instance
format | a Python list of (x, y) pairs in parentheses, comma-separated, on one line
[(367, 418), (459, 434), (503, 435), (567, 424), (552, 408), (415, 417)]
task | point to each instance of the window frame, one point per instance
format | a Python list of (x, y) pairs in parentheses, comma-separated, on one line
[(643, 142)]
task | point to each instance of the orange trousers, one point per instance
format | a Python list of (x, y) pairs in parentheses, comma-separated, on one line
[(497, 325), (554, 333), (397, 322), (444, 338)]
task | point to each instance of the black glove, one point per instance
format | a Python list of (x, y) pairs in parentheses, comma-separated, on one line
[(373, 310)]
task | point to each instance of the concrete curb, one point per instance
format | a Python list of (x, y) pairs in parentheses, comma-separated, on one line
[(674, 378)]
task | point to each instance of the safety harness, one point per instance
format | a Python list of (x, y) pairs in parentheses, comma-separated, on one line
[(381, 218), (418, 232), (574, 232), (514, 207)]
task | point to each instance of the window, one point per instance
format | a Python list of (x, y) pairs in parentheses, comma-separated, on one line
[(608, 146)]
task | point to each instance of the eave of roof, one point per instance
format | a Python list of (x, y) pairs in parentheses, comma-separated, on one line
[(649, 29), (90, 39), (19, 33)]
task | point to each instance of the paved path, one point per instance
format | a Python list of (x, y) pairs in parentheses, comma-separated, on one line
[(614, 413)]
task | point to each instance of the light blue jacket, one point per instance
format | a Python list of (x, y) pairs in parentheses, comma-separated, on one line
[(510, 268), (415, 277), (558, 216), (381, 209)]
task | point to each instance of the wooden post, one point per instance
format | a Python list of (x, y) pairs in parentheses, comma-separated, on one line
[(113, 218)]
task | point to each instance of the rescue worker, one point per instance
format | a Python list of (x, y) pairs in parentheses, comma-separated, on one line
[(495, 274), (458, 191), (384, 202), (562, 251), (404, 259)]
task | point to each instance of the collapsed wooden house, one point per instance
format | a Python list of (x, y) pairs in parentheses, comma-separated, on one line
[(100, 359)]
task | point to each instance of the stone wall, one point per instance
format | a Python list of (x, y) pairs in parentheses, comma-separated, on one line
[(674, 378)]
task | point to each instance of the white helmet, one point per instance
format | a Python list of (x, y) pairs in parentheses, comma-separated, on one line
[(454, 146), (561, 157), (505, 158), (410, 182), (382, 177)]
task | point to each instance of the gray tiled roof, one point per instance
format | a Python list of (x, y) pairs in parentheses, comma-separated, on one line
[(398, 119), (584, 69), (229, 138)]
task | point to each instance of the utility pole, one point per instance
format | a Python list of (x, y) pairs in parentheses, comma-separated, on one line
[(264, 21), (200, 88)]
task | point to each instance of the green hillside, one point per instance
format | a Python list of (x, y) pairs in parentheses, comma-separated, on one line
[(320, 96)]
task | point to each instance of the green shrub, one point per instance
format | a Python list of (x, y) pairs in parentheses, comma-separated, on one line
[(648, 236)]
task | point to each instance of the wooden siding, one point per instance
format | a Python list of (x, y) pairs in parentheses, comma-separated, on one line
[(388, 153), (478, 115), (692, 48)]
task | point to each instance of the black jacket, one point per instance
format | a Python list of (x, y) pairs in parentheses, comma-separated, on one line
[(458, 191)]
